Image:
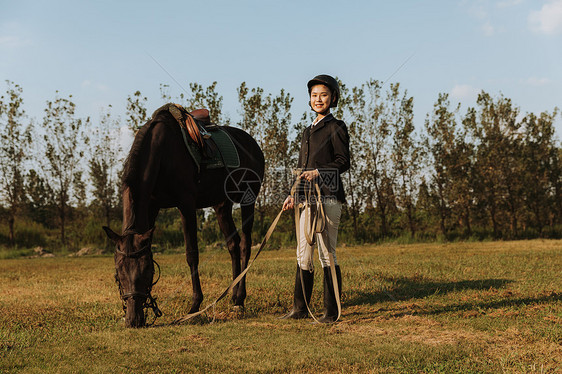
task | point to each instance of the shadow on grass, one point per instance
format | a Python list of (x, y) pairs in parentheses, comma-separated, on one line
[(496, 304), (415, 288)]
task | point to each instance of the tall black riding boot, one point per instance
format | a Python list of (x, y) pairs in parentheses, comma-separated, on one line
[(330, 303), (299, 306)]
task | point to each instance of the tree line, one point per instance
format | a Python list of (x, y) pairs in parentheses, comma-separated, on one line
[(489, 172)]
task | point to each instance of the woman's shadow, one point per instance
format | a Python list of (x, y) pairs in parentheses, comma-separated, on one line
[(417, 288), (405, 289)]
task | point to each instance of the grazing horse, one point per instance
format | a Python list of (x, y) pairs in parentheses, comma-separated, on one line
[(160, 173)]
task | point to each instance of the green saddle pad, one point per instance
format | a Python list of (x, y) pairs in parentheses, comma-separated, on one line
[(225, 155)]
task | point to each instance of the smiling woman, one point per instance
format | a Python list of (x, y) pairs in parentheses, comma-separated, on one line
[(321, 99), (324, 155)]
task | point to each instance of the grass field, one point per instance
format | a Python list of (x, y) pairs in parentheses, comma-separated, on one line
[(488, 307)]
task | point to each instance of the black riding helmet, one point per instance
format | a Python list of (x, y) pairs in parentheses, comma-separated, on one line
[(328, 81)]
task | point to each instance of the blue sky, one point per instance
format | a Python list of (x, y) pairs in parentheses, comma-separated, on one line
[(100, 51)]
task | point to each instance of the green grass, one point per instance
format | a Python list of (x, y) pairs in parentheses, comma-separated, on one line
[(419, 308)]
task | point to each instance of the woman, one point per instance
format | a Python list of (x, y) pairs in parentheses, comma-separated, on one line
[(323, 156)]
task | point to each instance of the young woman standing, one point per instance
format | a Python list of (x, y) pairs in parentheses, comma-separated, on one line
[(323, 157)]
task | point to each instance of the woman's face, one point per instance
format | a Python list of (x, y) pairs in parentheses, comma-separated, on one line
[(320, 98)]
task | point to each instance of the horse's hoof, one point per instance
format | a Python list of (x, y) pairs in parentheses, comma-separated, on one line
[(194, 308), (238, 311)]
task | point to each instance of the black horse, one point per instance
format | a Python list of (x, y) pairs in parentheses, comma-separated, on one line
[(160, 173)]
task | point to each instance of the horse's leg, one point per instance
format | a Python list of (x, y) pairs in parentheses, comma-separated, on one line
[(247, 212), (226, 223), (189, 223)]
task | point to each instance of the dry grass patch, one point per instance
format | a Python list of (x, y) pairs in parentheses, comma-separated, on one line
[(414, 329)]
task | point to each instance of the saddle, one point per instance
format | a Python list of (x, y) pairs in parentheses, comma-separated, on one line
[(201, 115), (209, 145)]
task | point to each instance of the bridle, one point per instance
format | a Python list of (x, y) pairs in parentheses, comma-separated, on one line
[(149, 300)]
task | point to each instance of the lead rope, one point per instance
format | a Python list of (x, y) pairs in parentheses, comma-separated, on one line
[(262, 246), (314, 215), (312, 226), (238, 278), (241, 275)]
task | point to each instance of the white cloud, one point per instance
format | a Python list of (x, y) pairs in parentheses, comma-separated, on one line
[(12, 41), (483, 11), (98, 86), (488, 29), (548, 20), (102, 87), (464, 92), (537, 82), (479, 10), (508, 3)]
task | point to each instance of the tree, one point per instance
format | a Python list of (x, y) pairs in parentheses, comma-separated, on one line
[(252, 111), (267, 118), (352, 179), (64, 141), (439, 144), (556, 180), (39, 199), (370, 114), (406, 155), (207, 98), (14, 143), (104, 160), (276, 145), (498, 165), (136, 111), (463, 178), (541, 168)]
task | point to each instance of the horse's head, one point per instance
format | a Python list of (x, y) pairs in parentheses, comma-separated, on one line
[(134, 273)]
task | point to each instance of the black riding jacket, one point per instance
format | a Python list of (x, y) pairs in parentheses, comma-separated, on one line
[(325, 146)]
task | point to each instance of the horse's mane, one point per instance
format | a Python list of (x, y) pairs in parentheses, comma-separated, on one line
[(131, 166)]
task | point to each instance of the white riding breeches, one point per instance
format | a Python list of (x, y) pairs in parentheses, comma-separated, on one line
[(325, 240)]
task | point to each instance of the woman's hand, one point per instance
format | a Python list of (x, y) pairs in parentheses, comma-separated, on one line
[(309, 175), (289, 203)]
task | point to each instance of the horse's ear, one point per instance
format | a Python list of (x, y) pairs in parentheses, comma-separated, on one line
[(111, 234), (148, 234)]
